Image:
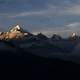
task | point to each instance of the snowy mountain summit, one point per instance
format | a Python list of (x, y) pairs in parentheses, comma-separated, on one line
[(16, 28), (74, 36), (14, 33)]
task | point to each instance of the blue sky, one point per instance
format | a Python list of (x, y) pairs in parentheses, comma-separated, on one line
[(46, 16)]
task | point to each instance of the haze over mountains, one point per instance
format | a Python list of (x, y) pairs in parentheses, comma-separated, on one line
[(55, 47)]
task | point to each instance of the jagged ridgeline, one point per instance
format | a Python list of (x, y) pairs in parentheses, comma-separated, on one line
[(17, 32), (14, 33)]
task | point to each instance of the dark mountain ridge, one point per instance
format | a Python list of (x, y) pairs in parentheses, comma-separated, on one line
[(21, 46)]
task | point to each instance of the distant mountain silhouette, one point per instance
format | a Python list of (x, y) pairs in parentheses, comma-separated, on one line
[(24, 57), (56, 37), (41, 36), (18, 28)]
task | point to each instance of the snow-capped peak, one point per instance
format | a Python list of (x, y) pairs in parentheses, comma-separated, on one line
[(16, 28), (73, 34)]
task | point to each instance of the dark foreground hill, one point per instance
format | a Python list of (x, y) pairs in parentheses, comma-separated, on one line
[(36, 65), (22, 57)]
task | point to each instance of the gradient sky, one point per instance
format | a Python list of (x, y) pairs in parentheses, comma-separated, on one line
[(46, 16)]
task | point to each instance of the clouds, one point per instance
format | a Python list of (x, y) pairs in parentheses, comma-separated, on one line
[(24, 14), (44, 15), (51, 10), (74, 26), (22, 5), (74, 10), (24, 8), (35, 4)]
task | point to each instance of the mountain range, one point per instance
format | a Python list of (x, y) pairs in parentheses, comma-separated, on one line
[(40, 45), (17, 32)]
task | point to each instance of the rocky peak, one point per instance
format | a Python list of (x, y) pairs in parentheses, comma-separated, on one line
[(16, 28), (42, 36), (56, 37), (14, 33), (74, 36)]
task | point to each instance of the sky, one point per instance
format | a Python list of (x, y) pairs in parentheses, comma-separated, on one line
[(46, 16)]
